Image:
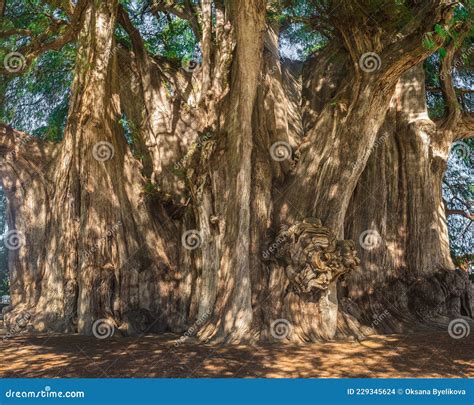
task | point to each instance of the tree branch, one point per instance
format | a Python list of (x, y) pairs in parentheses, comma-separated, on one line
[(452, 108), (185, 13), (410, 45), (461, 213), (458, 90), (42, 43), (465, 127), (206, 45)]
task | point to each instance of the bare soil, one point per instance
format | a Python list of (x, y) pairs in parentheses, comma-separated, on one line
[(433, 354)]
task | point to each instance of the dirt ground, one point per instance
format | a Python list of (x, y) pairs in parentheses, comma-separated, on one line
[(433, 354)]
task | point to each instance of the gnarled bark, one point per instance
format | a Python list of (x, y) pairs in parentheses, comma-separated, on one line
[(187, 225), (103, 255), (398, 217)]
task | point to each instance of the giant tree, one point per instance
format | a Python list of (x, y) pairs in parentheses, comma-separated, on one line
[(214, 183)]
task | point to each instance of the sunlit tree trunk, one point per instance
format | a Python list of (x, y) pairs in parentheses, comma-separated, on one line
[(340, 131), (103, 258), (182, 223), (397, 216), (28, 199)]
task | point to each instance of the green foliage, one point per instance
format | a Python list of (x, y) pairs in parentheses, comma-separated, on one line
[(4, 284), (164, 34), (428, 41), (458, 192), (442, 32), (150, 188), (37, 101), (298, 40), (301, 42)]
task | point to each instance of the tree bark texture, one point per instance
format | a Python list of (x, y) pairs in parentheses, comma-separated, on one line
[(245, 190)]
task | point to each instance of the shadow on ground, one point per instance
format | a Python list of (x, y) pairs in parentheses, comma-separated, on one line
[(433, 354)]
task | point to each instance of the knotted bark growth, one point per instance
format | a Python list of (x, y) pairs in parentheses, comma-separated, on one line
[(181, 227), (398, 216)]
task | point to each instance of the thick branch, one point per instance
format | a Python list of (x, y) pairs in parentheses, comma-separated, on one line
[(133, 33), (42, 43), (458, 90), (461, 213), (16, 31), (412, 47), (452, 108), (465, 127), (185, 13)]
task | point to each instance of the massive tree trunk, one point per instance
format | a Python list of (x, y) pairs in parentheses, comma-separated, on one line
[(28, 198), (230, 183), (340, 131), (397, 216), (211, 214), (103, 257)]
